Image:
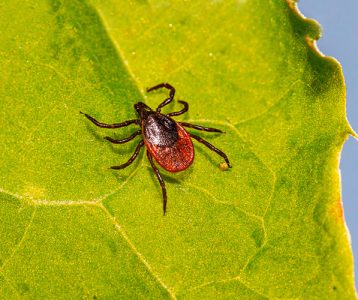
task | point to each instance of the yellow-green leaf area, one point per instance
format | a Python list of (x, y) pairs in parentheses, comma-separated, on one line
[(270, 227)]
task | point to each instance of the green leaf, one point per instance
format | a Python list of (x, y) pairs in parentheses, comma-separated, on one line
[(71, 228)]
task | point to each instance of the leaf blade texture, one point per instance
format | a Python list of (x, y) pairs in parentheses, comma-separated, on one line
[(271, 227)]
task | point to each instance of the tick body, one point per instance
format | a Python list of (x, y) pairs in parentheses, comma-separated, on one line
[(166, 140)]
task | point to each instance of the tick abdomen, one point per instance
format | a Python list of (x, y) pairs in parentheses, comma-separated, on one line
[(177, 157), (160, 130)]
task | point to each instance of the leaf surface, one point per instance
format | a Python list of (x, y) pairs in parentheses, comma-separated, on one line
[(270, 227)]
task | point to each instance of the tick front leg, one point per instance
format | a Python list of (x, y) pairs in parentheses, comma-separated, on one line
[(161, 181), (116, 125), (171, 93), (132, 158), (180, 112), (198, 127), (211, 147), (125, 140)]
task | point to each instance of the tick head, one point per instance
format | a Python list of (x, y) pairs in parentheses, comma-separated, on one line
[(143, 110)]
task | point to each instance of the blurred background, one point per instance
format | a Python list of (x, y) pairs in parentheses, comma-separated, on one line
[(339, 39)]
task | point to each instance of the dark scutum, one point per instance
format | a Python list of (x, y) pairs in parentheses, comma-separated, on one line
[(160, 130)]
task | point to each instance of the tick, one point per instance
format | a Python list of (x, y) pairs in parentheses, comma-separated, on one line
[(166, 140)]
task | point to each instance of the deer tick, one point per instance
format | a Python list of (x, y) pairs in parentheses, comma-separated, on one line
[(166, 140)]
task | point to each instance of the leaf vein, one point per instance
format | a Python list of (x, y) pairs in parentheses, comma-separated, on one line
[(120, 52), (276, 103), (16, 247), (203, 46), (137, 253), (214, 199)]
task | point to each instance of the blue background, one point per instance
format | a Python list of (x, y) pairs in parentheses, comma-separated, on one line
[(339, 22)]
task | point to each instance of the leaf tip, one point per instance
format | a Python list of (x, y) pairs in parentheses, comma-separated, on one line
[(353, 133)]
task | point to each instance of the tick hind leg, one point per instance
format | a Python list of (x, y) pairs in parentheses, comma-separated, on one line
[(132, 158), (211, 147), (116, 125), (171, 93), (161, 181), (198, 127)]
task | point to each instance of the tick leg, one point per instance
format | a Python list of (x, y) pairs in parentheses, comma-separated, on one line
[(198, 127), (161, 181), (211, 147), (132, 158), (116, 125), (180, 112), (171, 93), (125, 140)]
